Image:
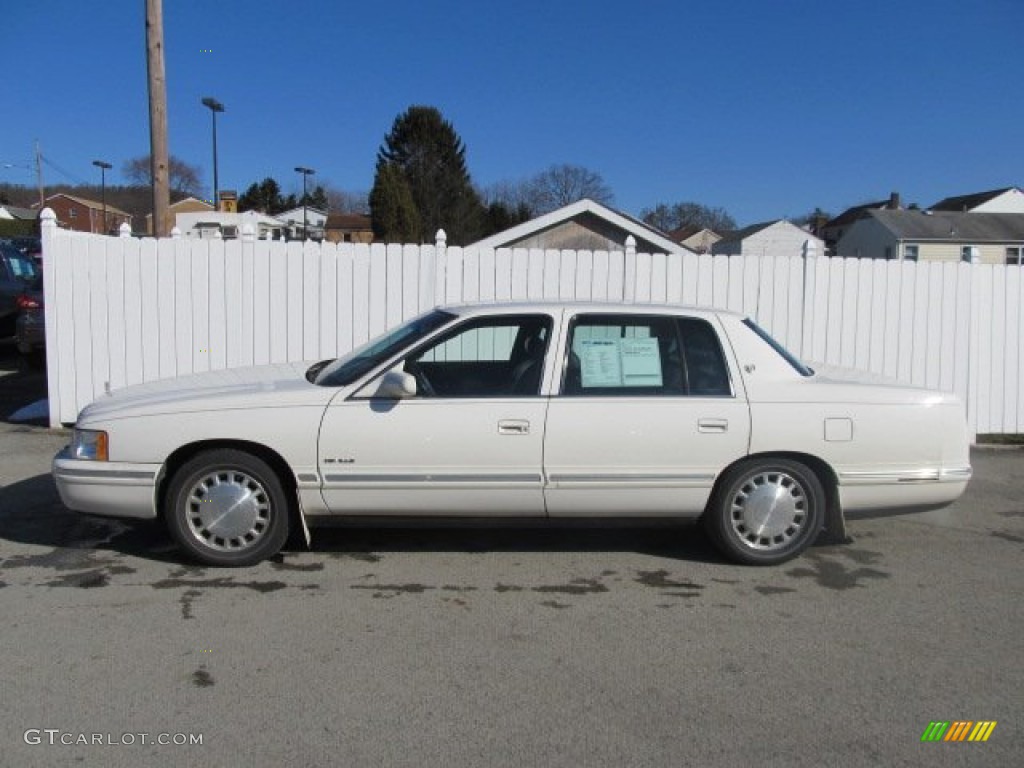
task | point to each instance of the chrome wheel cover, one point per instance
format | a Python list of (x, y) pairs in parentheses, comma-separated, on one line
[(769, 510), (228, 510)]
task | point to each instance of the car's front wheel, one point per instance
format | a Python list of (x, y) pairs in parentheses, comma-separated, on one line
[(227, 508), (766, 511)]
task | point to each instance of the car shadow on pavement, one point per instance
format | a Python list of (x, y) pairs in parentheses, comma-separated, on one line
[(31, 512), (672, 541)]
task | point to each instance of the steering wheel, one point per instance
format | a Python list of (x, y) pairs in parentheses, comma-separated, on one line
[(423, 385)]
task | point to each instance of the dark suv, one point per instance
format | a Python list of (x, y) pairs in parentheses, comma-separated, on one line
[(18, 273)]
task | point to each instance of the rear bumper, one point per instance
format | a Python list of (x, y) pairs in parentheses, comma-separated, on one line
[(902, 489), (112, 489), (30, 333)]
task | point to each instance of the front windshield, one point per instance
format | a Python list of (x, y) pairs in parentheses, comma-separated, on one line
[(360, 361)]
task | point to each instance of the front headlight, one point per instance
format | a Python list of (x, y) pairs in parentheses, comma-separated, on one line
[(89, 445)]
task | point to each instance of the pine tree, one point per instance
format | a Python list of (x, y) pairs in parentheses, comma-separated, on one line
[(393, 211), (424, 149)]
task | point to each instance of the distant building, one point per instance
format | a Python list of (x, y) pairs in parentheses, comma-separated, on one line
[(1006, 200), (348, 228), (770, 238), (697, 239), (315, 219), (83, 215), (212, 224), (989, 238), (583, 225), (835, 228), (188, 205)]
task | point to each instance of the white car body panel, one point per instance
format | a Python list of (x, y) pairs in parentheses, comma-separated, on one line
[(881, 445)]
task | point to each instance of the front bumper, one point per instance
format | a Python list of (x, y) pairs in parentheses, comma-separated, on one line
[(109, 488)]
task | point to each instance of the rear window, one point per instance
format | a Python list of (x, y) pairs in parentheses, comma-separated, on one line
[(786, 355), (19, 265)]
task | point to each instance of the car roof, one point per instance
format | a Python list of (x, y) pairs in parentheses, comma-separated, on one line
[(597, 307)]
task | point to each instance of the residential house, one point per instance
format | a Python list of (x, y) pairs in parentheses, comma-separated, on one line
[(310, 219), (211, 224), (83, 215), (989, 238), (770, 238), (836, 227), (348, 228), (583, 225), (16, 221), (1006, 200), (697, 239), (188, 205)]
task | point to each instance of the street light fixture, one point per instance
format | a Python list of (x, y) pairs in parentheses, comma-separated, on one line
[(104, 167), (215, 107), (306, 172)]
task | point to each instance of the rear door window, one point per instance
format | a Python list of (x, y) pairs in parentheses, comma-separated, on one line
[(638, 355)]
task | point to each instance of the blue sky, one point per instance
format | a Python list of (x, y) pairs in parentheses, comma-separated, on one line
[(766, 108)]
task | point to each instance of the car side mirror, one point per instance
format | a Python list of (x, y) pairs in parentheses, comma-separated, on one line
[(395, 385)]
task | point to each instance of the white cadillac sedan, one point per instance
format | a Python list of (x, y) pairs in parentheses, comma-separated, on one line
[(534, 410)]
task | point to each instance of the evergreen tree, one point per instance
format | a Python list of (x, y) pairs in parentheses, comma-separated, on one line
[(393, 211), (264, 196), (424, 149)]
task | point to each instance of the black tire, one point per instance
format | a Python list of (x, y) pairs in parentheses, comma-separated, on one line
[(248, 518), (766, 511)]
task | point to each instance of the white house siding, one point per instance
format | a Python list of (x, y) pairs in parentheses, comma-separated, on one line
[(1011, 201), (780, 238)]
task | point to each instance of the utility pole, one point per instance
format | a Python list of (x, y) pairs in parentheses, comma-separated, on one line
[(158, 116), (39, 176)]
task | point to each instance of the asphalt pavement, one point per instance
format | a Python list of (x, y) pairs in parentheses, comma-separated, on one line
[(506, 646)]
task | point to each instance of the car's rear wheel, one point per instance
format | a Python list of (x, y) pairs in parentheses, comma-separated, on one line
[(227, 508), (766, 511)]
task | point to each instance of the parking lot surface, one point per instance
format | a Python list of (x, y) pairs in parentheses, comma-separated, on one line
[(507, 646)]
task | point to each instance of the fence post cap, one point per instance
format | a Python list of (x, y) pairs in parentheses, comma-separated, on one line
[(441, 238), (248, 233), (125, 230), (48, 217), (176, 233)]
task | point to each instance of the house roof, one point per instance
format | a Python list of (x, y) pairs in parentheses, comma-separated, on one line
[(683, 233), (963, 203), (27, 214), (348, 221), (851, 215), (953, 226), (742, 234), (94, 204), (623, 221)]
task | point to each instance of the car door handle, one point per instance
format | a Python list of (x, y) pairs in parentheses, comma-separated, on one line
[(513, 427), (712, 425)]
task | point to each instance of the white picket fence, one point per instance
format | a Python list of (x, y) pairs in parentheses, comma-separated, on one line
[(121, 311)]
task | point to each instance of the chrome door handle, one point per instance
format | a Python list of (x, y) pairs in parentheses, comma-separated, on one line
[(712, 425), (513, 427)]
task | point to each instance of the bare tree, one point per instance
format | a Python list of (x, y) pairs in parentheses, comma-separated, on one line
[(688, 214), (558, 186), (185, 179), (561, 185), (344, 201)]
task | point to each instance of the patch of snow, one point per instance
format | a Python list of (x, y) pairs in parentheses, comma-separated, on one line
[(39, 410)]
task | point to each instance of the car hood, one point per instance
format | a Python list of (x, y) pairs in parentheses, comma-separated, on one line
[(267, 386)]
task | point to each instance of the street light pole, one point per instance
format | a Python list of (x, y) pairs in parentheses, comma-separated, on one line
[(305, 174), (215, 107), (104, 167)]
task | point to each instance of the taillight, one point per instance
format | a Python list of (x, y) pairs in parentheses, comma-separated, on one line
[(27, 302)]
